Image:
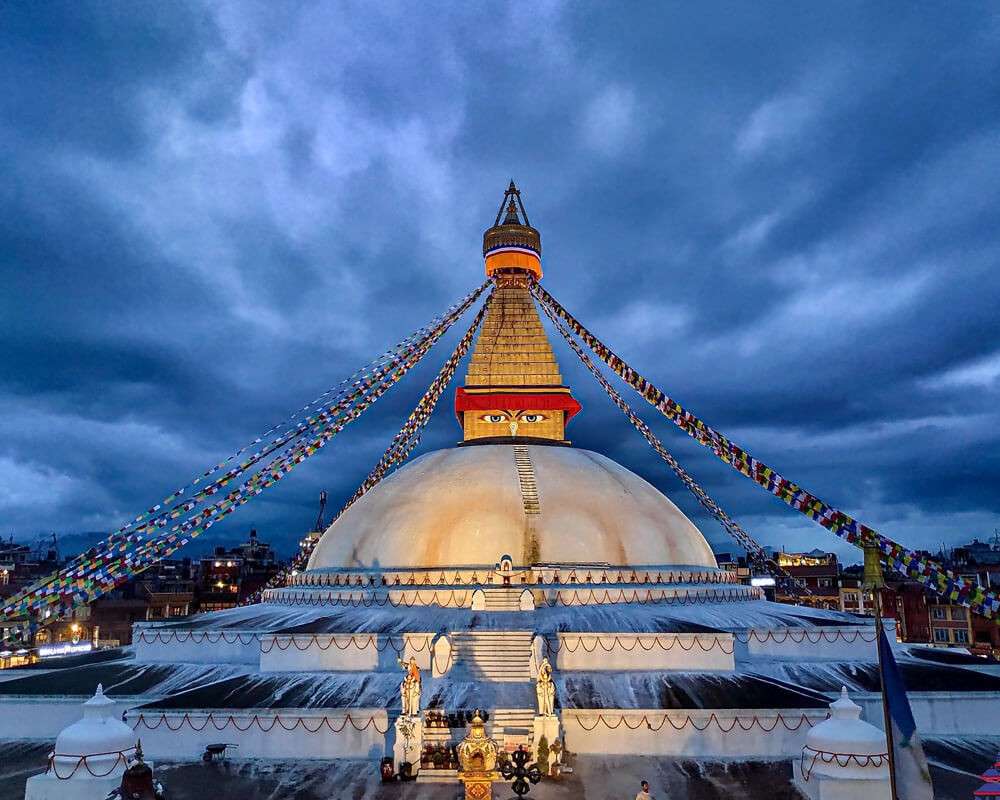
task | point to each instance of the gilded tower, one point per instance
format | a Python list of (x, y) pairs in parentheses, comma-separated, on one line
[(513, 389)]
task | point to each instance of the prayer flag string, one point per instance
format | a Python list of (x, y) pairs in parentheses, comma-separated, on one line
[(103, 567), (399, 449), (754, 551), (904, 561)]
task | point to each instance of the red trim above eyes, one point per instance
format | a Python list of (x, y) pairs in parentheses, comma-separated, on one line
[(516, 401)]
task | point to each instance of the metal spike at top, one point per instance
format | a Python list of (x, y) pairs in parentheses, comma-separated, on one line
[(511, 218)]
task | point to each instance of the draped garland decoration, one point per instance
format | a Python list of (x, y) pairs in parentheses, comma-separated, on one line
[(754, 551), (122, 758), (907, 562), (103, 567), (842, 759), (254, 720), (399, 449), (411, 598), (755, 721)]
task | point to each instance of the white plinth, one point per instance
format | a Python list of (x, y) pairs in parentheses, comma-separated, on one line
[(827, 787), (49, 787), (403, 750), (547, 726)]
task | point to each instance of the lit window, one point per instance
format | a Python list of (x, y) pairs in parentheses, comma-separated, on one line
[(941, 635), (937, 612), (962, 637)]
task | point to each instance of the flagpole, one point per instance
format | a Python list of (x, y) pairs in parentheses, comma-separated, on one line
[(873, 579)]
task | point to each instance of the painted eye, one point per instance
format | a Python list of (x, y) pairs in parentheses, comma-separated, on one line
[(494, 418), (532, 418)]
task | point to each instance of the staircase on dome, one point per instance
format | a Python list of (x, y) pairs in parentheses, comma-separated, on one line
[(513, 391)]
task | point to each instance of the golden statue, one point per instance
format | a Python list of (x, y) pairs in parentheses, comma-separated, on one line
[(477, 757)]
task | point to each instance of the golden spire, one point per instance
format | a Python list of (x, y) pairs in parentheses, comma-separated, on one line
[(513, 389)]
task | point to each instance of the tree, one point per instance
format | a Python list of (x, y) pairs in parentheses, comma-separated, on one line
[(543, 755)]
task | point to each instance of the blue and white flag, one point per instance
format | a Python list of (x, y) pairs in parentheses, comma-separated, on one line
[(913, 777)]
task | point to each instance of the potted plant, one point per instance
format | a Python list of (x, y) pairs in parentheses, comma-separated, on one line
[(556, 750)]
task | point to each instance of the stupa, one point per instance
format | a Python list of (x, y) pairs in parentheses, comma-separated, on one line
[(547, 585)]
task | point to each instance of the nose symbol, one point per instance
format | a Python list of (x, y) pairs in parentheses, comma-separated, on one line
[(513, 429)]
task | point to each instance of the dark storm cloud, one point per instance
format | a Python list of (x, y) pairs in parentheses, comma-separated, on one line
[(785, 217)]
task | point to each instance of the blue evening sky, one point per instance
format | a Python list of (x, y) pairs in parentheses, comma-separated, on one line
[(787, 215)]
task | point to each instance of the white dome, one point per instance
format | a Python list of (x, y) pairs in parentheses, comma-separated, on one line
[(470, 505), (100, 731)]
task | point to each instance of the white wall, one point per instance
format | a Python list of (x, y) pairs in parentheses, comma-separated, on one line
[(159, 742), (942, 713), (851, 643), (663, 651), (714, 741), (154, 646), (45, 717)]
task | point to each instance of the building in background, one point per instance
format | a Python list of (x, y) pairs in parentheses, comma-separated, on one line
[(170, 589), (230, 576), (819, 571)]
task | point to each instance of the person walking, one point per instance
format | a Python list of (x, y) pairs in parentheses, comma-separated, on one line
[(644, 792)]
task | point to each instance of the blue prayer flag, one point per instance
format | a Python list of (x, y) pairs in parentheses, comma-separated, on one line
[(913, 777)]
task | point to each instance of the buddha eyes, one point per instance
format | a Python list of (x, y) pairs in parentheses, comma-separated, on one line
[(496, 419)]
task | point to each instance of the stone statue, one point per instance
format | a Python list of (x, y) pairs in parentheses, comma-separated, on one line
[(545, 689), (409, 689)]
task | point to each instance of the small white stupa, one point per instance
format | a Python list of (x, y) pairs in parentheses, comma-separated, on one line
[(90, 756), (844, 757)]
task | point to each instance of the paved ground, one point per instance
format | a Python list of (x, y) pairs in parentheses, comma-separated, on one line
[(595, 778)]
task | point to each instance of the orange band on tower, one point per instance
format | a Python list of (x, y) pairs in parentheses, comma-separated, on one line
[(513, 259)]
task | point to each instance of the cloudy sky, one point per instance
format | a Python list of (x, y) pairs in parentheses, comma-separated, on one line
[(786, 216)]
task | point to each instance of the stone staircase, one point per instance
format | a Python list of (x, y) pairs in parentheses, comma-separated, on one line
[(501, 656), (435, 736), (526, 477), (507, 598), (511, 727)]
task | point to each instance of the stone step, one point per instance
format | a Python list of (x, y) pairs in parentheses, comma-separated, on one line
[(499, 649), (503, 652), (437, 776)]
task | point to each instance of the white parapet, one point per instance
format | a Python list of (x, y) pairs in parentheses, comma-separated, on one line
[(943, 713), (317, 652), (156, 645), (842, 643), (711, 652), (263, 733), (696, 733)]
